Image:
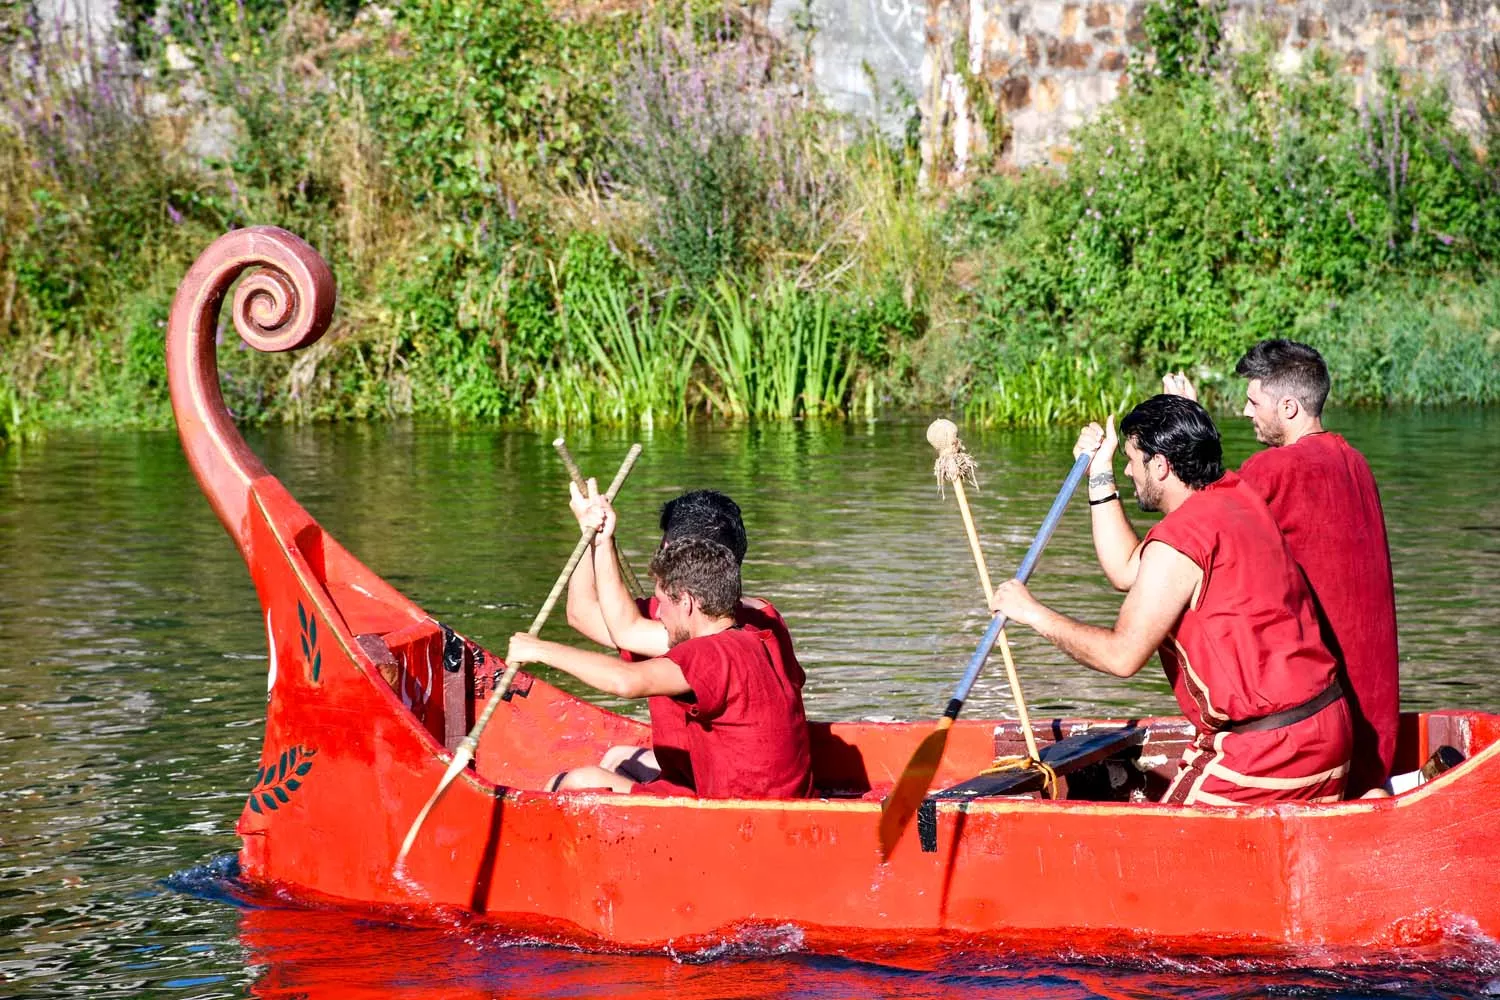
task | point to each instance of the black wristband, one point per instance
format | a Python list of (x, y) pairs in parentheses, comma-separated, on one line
[(1104, 500)]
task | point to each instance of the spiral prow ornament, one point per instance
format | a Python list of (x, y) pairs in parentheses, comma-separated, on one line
[(285, 302)]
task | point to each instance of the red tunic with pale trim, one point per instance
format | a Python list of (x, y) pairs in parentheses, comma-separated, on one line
[(1249, 646), (1323, 496), (669, 731), (745, 727)]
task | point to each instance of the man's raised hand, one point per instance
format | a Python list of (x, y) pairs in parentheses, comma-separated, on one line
[(1101, 442), (594, 512), (1178, 384)]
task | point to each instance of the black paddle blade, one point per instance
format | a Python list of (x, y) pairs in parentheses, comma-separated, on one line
[(911, 788)]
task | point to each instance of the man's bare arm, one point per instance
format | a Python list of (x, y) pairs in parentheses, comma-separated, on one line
[(643, 679), (1163, 588), (628, 628), (1115, 541), (584, 614)]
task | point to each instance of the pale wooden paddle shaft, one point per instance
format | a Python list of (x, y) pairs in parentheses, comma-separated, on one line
[(470, 743), (1015, 687), (984, 571), (576, 474), (989, 595)]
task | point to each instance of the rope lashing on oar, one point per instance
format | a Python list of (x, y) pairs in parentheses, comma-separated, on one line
[(465, 752), (1020, 762), (576, 474), (953, 465)]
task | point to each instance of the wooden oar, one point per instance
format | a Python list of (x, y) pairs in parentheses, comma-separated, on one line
[(953, 464), (576, 474), (465, 751), (901, 805)]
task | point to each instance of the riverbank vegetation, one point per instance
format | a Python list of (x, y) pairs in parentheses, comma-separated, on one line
[(583, 215)]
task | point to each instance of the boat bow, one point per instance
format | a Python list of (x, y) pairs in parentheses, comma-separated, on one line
[(284, 303)]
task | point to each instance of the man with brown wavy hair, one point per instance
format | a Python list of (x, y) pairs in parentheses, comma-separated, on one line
[(746, 728)]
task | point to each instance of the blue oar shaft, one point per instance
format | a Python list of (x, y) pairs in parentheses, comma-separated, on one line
[(1043, 534)]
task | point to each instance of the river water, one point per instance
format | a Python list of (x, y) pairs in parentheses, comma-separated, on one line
[(132, 680)]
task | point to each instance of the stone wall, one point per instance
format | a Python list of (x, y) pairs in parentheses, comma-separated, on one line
[(1031, 72)]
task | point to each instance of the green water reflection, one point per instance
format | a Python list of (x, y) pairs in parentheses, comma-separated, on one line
[(132, 660)]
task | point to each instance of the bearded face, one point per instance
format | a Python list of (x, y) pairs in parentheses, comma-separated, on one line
[(1264, 411), (673, 613), (1148, 491)]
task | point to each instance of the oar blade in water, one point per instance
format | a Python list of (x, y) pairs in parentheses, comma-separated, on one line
[(911, 788)]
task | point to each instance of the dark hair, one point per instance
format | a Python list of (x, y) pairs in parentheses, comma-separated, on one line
[(704, 514), (700, 567), (1287, 368), (1180, 431)]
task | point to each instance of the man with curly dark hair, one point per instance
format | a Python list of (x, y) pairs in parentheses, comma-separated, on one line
[(1323, 496), (1214, 590)]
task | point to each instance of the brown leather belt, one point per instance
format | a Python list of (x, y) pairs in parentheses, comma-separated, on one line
[(1290, 716)]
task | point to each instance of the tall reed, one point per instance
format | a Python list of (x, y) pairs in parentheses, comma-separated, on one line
[(636, 361), (1054, 387), (776, 354)]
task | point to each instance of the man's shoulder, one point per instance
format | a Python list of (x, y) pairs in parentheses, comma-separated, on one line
[(760, 613), (1321, 454)]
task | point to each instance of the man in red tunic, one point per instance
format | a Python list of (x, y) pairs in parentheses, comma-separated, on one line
[(746, 731), (600, 606), (1323, 497), (1214, 589)]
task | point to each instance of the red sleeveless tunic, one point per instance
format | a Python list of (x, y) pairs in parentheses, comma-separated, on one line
[(1249, 646), (1323, 497)]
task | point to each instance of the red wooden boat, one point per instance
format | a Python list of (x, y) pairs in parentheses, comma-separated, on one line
[(368, 694)]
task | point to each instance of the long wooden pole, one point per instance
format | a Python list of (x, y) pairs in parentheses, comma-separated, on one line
[(943, 435), (1004, 641), (911, 787), (465, 751), (576, 474)]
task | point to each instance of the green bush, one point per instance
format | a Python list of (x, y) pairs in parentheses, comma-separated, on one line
[(1208, 214), (543, 217), (479, 91), (1421, 343)]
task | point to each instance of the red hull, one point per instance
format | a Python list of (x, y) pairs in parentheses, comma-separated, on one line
[(351, 755)]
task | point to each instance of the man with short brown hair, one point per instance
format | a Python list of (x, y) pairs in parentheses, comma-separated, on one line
[(746, 731), (1323, 496)]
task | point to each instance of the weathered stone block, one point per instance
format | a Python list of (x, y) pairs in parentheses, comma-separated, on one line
[(1312, 28), (1046, 17), (1097, 16), (1114, 61), (1069, 55), (1015, 93), (1069, 25), (1046, 95)]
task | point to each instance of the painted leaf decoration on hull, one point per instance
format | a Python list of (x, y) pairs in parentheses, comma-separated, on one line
[(275, 783)]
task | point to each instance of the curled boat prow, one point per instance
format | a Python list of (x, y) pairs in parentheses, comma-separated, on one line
[(284, 303)]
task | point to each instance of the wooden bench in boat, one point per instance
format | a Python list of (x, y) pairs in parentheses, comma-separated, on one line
[(1065, 756), (1072, 753)]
